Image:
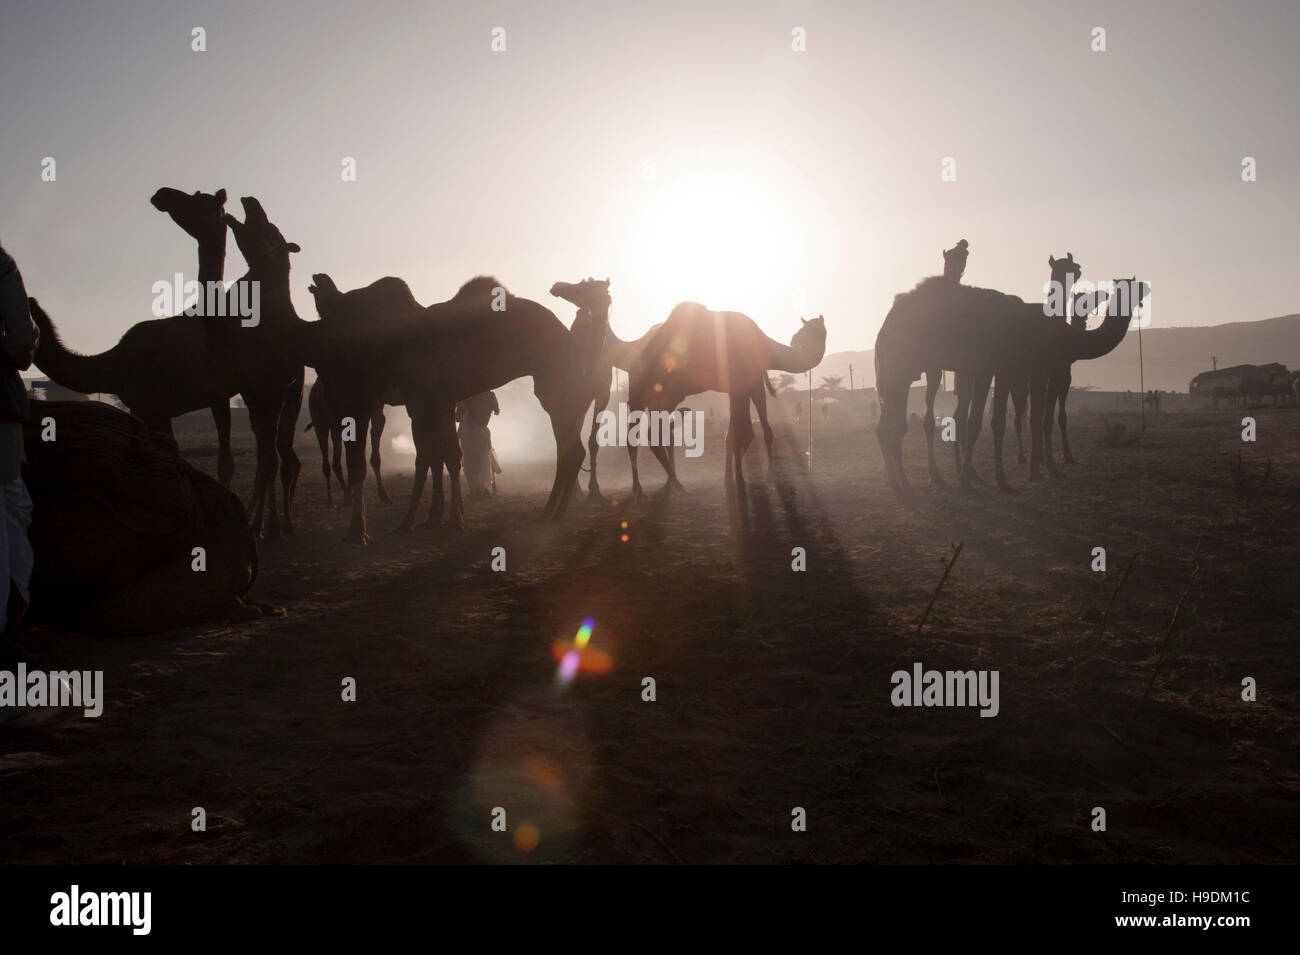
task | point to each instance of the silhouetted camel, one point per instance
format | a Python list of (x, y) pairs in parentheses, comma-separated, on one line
[(980, 333), (1082, 304), (116, 516), (954, 266), (971, 398), (591, 331), (203, 216), (171, 366), (699, 350), (477, 341), (326, 423)]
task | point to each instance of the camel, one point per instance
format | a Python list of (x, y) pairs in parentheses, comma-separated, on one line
[(954, 266), (115, 519), (699, 350), (476, 341), (591, 331), (171, 366), (203, 216), (329, 428), (980, 333), (1066, 272), (323, 420), (970, 403)]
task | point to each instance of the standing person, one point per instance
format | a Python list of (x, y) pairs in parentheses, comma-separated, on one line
[(18, 336), (479, 458)]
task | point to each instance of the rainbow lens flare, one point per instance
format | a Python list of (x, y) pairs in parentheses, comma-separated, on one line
[(576, 656)]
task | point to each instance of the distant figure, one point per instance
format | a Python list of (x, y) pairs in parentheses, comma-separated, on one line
[(798, 412), (480, 464), (954, 261), (18, 336), (826, 411)]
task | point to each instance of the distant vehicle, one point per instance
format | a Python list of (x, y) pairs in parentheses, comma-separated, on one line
[(1244, 384)]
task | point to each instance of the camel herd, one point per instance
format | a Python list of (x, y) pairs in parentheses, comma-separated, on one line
[(377, 345), (985, 336)]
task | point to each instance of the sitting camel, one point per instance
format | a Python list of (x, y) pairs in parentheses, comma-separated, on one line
[(980, 333), (168, 367), (699, 350), (476, 341), (116, 519)]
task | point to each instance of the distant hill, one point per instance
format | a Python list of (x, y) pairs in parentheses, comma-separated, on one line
[(1171, 356)]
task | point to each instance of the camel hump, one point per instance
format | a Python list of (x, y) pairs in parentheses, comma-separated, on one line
[(479, 285)]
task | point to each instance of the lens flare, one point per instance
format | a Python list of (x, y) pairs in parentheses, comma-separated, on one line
[(527, 837), (577, 657), (569, 664)]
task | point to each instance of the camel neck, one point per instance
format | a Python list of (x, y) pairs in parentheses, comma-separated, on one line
[(788, 358), (212, 260)]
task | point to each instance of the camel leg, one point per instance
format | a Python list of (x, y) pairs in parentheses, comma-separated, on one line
[(1053, 392), (1065, 434), (1019, 397), (264, 423), (932, 379), (960, 416), (356, 455), (568, 462), (422, 434), (759, 397), (662, 449), (336, 435), (740, 434), (290, 465), (377, 422), (999, 428), (890, 430), (323, 440), (602, 402), (225, 459), (449, 455), (1037, 418), (974, 424)]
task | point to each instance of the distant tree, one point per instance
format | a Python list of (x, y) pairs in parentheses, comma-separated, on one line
[(833, 383), (785, 383)]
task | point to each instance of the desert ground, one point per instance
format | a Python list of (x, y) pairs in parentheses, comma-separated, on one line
[(772, 686)]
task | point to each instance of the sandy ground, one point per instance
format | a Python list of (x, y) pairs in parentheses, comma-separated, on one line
[(773, 687)]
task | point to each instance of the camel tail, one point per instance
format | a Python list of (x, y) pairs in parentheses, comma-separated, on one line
[(768, 381), (88, 374), (310, 425)]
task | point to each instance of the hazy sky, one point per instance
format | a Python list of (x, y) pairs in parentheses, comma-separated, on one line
[(682, 149)]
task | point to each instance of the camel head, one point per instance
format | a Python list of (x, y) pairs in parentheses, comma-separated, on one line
[(1066, 270), (325, 292), (590, 294), (954, 261), (810, 339), (201, 214), (260, 242), (1127, 296)]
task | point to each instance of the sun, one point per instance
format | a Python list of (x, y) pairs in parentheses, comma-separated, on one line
[(728, 234)]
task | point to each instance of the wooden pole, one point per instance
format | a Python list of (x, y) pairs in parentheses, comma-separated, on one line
[(810, 417), (1142, 381)]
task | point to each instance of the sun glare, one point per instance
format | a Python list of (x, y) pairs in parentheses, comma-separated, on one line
[(729, 234)]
